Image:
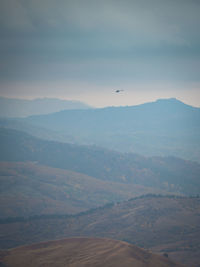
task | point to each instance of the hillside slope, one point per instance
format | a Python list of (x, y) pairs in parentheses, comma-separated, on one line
[(163, 224), (29, 189), (166, 173), (90, 252)]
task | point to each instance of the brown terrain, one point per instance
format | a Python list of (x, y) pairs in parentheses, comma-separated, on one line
[(162, 224), (78, 252), (29, 189)]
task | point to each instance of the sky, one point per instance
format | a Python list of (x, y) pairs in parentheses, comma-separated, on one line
[(86, 49)]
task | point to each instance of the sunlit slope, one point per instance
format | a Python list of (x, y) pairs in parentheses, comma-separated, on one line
[(91, 252), (163, 224)]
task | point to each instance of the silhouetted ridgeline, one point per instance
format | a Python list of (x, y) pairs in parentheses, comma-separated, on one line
[(12, 107), (165, 127)]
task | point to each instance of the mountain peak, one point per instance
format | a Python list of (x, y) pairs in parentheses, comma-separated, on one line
[(173, 102), (169, 100)]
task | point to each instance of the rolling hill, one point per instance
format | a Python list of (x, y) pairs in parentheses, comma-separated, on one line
[(29, 189), (162, 224), (166, 173), (73, 252), (166, 127)]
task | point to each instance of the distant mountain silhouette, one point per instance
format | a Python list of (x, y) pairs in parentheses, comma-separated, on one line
[(163, 116), (164, 128), (13, 107)]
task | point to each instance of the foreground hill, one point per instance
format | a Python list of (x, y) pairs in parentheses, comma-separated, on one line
[(73, 252), (165, 173), (29, 189), (163, 224), (12, 107), (165, 127)]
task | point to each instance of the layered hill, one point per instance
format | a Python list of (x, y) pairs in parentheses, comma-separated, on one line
[(166, 173), (163, 224), (73, 252), (29, 189), (165, 127), (13, 107)]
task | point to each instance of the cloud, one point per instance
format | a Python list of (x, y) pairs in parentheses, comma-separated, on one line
[(149, 20), (99, 42), (14, 17)]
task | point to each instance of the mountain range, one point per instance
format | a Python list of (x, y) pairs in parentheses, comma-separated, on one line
[(15, 107), (166, 127), (70, 174)]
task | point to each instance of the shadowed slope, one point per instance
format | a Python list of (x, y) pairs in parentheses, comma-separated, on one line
[(165, 173), (93, 252)]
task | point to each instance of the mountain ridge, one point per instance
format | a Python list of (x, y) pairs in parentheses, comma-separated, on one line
[(163, 128), (16, 107), (159, 102)]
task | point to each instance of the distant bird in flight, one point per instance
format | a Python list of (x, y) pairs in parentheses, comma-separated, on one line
[(118, 91)]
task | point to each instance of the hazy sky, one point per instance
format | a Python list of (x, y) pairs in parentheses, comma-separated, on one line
[(85, 50)]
